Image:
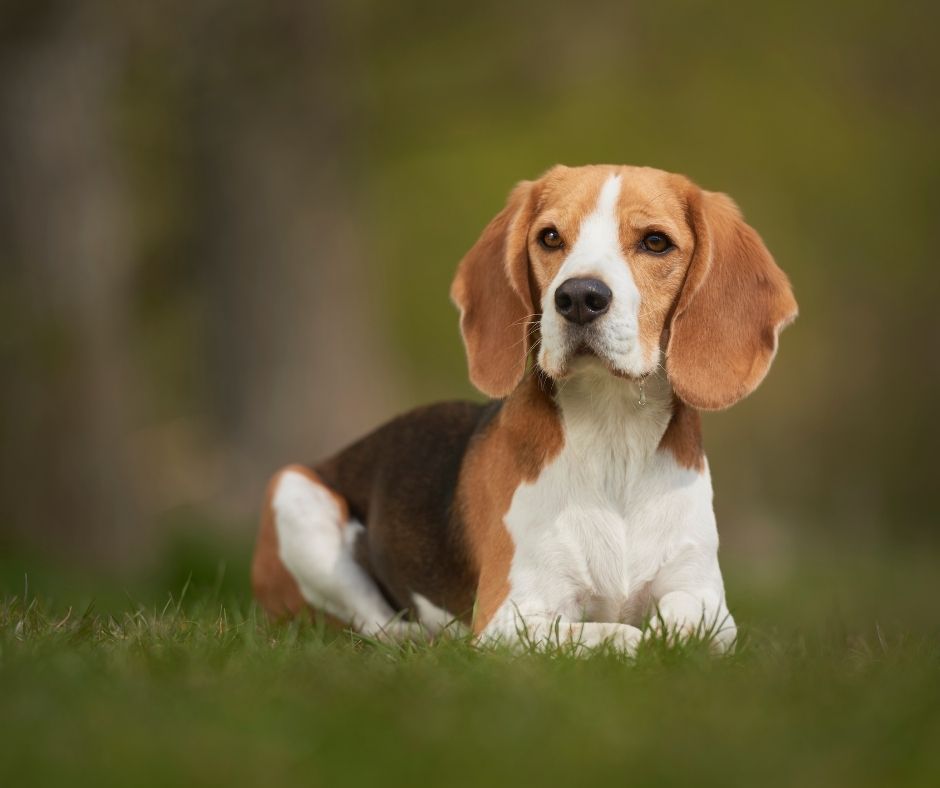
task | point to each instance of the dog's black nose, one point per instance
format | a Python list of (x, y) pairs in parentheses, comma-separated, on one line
[(582, 300)]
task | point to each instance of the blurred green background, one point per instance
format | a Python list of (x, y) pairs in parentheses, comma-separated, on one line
[(227, 231)]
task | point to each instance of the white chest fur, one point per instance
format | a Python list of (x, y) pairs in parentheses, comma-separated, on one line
[(611, 523)]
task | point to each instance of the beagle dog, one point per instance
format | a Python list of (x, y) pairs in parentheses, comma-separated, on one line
[(601, 309)]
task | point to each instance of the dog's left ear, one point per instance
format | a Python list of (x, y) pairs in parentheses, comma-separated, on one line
[(491, 289), (731, 309)]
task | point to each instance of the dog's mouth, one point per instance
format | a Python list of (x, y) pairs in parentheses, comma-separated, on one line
[(585, 355), (584, 350)]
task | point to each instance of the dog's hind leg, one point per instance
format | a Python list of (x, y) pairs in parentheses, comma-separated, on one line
[(313, 538)]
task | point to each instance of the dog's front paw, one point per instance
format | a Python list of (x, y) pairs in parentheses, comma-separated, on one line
[(622, 638), (681, 616)]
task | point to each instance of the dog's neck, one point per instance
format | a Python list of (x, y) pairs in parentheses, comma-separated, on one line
[(602, 409)]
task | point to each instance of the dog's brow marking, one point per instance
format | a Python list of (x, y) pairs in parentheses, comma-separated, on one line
[(601, 226), (599, 237), (610, 191)]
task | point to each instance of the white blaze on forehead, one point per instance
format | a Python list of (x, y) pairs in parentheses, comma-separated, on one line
[(599, 238)]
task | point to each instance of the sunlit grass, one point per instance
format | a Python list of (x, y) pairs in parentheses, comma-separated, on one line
[(201, 688)]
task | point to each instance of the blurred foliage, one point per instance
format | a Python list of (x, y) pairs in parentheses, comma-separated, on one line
[(269, 162)]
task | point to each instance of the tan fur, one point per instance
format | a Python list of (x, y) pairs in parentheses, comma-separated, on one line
[(491, 289), (654, 202), (514, 448), (683, 437), (732, 307), (274, 586)]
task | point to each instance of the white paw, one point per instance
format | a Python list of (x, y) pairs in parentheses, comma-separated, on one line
[(678, 615), (681, 616), (620, 637)]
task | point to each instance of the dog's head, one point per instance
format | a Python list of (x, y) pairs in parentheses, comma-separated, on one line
[(631, 265)]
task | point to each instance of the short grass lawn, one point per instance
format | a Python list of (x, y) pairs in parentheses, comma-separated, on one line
[(835, 682)]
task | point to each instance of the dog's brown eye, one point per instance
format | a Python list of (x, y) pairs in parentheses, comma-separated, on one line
[(550, 238), (657, 243)]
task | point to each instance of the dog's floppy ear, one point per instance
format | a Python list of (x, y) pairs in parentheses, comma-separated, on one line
[(728, 316), (491, 289)]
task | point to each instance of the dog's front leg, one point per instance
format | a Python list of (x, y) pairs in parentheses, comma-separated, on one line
[(690, 599)]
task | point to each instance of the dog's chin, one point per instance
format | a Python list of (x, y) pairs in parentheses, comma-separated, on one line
[(583, 359)]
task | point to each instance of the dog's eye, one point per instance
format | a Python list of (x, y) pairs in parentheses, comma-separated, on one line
[(550, 238), (657, 243)]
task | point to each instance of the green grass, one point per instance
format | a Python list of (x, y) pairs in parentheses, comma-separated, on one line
[(199, 689)]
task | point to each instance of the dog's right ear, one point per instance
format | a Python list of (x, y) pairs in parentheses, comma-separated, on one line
[(491, 289)]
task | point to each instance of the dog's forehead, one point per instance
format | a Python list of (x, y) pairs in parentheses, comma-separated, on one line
[(576, 190)]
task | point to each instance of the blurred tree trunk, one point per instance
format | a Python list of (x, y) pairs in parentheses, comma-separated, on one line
[(259, 263), (294, 350), (65, 473)]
